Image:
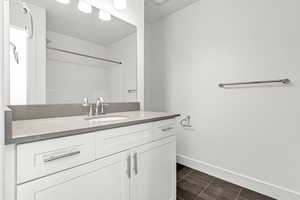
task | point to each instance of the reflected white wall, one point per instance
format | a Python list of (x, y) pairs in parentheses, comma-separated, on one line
[(18, 69)]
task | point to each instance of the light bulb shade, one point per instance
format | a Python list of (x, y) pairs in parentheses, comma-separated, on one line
[(120, 4), (84, 6), (105, 16), (63, 1)]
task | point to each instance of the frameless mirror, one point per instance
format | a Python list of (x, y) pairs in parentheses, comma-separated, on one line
[(62, 53)]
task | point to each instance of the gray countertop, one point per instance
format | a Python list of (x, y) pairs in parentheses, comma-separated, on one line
[(24, 131)]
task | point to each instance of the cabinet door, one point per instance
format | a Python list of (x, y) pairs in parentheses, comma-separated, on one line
[(107, 179), (154, 171)]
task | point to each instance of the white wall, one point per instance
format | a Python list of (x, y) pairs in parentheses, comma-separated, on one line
[(123, 77), (148, 66), (249, 136), (83, 77), (1, 103), (71, 78), (134, 14)]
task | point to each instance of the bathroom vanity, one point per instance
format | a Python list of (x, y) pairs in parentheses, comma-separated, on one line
[(132, 158), (55, 150)]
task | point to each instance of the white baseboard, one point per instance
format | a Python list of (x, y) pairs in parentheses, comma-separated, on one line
[(260, 186)]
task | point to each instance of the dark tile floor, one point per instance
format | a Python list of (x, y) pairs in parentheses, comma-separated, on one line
[(195, 185)]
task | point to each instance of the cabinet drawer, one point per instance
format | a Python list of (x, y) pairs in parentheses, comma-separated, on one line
[(116, 140), (103, 179), (42, 158), (165, 128)]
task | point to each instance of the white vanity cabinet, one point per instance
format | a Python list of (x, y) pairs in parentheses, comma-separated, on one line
[(130, 163), (154, 168), (101, 179)]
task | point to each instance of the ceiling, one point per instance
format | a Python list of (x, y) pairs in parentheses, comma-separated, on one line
[(68, 20), (155, 11)]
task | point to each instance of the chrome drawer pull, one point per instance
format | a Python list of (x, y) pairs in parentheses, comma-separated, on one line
[(53, 158), (129, 167), (167, 129), (135, 168)]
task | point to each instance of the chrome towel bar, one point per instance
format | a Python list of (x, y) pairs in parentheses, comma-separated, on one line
[(283, 81), (84, 55)]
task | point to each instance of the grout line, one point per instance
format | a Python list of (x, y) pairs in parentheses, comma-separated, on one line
[(208, 184), (182, 177), (178, 197), (238, 195)]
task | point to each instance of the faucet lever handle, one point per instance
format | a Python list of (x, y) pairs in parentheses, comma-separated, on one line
[(85, 102), (101, 99)]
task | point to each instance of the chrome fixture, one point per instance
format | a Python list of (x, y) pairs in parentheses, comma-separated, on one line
[(58, 157), (131, 91), (83, 55), (85, 103), (135, 167), (186, 122), (100, 102), (15, 52), (283, 81), (167, 129), (129, 166)]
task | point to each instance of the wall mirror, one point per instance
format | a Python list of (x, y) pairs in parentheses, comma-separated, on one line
[(65, 50)]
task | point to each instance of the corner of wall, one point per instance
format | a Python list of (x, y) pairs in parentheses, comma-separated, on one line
[(1, 100)]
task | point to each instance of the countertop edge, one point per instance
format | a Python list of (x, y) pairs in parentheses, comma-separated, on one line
[(36, 138)]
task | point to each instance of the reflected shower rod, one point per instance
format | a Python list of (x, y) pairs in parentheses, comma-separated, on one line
[(283, 81), (84, 55)]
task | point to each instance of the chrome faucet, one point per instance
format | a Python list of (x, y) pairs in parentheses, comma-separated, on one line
[(100, 102), (85, 103)]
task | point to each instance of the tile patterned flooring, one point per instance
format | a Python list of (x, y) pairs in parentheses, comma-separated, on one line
[(195, 185)]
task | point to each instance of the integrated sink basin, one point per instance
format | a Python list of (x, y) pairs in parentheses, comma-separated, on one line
[(106, 118)]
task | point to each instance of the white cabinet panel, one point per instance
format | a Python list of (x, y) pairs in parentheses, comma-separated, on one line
[(116, 140), (103, 179), (164, 128), (42, 158), (154, 171)]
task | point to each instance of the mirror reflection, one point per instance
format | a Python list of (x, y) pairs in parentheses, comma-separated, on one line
[(61, 53)]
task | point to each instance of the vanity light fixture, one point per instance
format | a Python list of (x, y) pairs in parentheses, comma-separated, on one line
[(104, 15), (63, 1), (120, 4), (84, 7)]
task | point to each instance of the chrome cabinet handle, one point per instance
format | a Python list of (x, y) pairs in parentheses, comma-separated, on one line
[(129, 166), (53, 158), (135, 168), (167, 129), (131, 91)]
